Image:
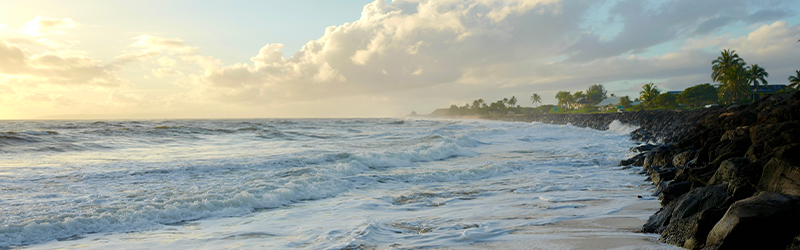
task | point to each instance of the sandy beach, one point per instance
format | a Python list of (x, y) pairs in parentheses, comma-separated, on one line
[(621, 230)]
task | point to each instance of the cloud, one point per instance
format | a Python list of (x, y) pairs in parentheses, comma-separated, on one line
[(167, 62), (132, 57), (410, 44), (162, 72), (55, 69), (161, 43), (767, 15), (40, 25), (712, 24), (12, 59)]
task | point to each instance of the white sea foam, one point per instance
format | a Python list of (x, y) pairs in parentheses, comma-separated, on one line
[(621, 128)]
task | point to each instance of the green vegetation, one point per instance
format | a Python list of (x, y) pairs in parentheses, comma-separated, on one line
[(648, 95), (535, 98), (795, 80), (698, 95), (625, 101), (729, 70)]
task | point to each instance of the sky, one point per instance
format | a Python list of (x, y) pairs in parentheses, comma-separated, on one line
[(100, 59)]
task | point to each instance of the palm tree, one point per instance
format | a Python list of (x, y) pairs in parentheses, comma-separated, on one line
[(729, 70), (648, 93), (734, 84), (795, 80), (512, 101), (756, 74), (727, 59), (564, 98), (535, 98)]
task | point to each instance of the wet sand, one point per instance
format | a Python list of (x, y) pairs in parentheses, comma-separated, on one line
[(621, 230)]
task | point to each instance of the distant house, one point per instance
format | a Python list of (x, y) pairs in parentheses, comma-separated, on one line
[(580, 103), (675, 92), (612, 103), (767, 89), (763, 90)]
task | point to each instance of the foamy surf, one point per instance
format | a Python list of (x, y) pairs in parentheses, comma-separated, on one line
[(323, 184), (621, 128)]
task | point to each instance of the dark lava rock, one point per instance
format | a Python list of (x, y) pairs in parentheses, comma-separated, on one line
[(765, 221), (730, 148), (780, 176), (674, 190), (632, 161), (695, 201), (659, 174), (729, 170), (643, 148), (660, 156), (691, 232), (684, 157), (767, 138)]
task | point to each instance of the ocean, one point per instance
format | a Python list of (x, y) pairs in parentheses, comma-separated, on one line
[(304, 183)]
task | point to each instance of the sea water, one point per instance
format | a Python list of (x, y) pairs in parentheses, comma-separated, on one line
[(302, 183)]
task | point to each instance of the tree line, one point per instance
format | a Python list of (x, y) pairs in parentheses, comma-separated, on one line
[(731, 73)]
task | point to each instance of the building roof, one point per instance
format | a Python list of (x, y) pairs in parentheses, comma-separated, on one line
[(768, 88), (609, 101), (675, 92)]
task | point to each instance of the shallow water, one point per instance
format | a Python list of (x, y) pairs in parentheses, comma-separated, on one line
[(302, 183)]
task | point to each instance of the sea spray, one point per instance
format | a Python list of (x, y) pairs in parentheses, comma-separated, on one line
[(621, 128)]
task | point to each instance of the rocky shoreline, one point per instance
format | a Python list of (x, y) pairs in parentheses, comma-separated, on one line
[(727, 177)]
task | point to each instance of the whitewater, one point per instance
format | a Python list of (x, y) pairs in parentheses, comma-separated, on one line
[(305, 183)]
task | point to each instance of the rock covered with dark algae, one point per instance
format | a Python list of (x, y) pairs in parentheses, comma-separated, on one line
[(727, 177)]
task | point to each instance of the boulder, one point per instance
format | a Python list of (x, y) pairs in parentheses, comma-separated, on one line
[(643, 148), (780, 176), (660, 174), (765, 138), (674, 190), (691, 232), (734, 147), (639, 160), (728, 170), (695, 201), (743, 131), (660, 156), (684, 157), (633, 160), (765, 221), (697, 174)]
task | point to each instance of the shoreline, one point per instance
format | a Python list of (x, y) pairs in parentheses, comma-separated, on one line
[(621, 230), (727, 176)]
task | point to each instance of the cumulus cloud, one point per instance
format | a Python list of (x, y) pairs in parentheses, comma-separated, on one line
[(54, 68), (409, 44)]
